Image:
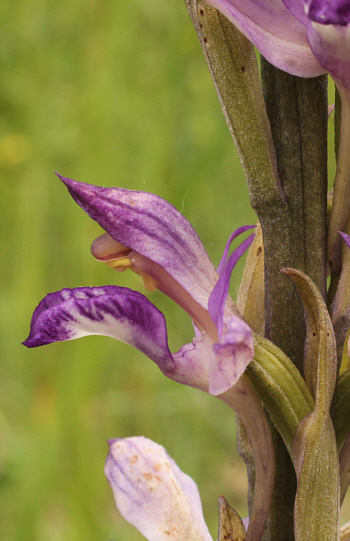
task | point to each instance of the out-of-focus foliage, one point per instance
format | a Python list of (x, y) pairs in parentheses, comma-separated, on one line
[(111, 93)]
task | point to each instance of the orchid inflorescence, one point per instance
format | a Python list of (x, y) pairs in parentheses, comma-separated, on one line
[(284, 372)]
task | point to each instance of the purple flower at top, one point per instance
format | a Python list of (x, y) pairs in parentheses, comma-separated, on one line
[(302, 37), (278, 29)]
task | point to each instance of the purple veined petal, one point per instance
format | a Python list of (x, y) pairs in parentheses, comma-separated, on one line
[(217, 299), (231, 356), (152, 227), (112, 311), (152, 493), (329, 38), (233, 236), (346, 238), (278, 35)]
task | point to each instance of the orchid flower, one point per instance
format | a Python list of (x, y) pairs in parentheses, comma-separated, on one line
[(152, 493), (149, 236)]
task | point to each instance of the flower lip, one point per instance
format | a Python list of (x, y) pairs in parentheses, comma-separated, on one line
[(336, 12)]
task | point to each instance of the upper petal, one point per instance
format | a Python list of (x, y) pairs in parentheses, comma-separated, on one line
[(233, 236), (112, 311), (217, 299), (152, 493), (152, 227), (278, 35)]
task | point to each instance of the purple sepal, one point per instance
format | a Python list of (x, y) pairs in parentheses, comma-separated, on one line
[(152, 493), (217, 299), (231, 356), (278, 35), (152, 227), (346, 238), (329, 37), (112, 311), (329, 12)]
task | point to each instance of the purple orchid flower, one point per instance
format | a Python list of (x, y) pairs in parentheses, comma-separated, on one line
[(149, 236), (158, 243), (152, 493)]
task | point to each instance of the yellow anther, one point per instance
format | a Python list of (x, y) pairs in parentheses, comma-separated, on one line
[(121, 262)]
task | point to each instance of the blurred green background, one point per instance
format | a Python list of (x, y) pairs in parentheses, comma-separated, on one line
[(115, 94)]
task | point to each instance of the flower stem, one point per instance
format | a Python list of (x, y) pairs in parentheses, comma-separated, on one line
[(295, 231)]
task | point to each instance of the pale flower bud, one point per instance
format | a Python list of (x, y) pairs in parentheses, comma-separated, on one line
[(152, 493)]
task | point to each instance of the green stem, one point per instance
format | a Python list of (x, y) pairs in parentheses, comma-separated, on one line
[(294, 235)]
